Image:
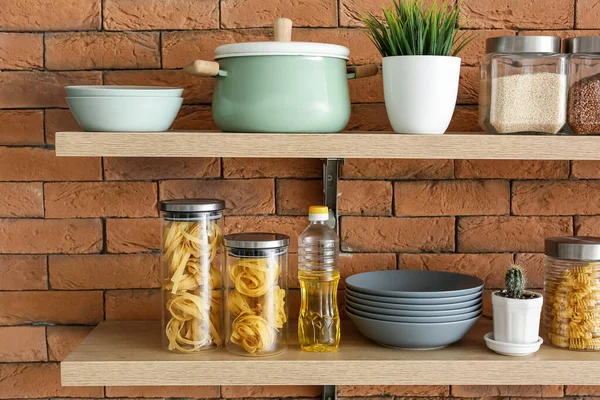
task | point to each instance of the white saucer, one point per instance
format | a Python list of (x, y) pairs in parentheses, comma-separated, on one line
[(511, 349)]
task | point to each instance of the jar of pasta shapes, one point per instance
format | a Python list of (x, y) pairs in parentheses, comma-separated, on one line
[(583, 111), (192, 259), (256, 311), (523, 85), (572, 291)]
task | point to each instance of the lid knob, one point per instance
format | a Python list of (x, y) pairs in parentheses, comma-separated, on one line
[(283, 30)]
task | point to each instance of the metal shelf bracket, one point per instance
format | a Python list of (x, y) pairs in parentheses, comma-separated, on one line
[(329, 392), (331, 171)]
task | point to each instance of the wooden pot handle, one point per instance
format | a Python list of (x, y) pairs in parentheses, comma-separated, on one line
[(363, 71), (202, 68), (283, 30)]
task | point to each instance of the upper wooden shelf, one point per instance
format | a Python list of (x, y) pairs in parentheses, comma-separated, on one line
[(129, 354), (336, 145)]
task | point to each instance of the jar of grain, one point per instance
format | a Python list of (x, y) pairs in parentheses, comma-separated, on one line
[(572, 292), (583, 110), (523, 85)]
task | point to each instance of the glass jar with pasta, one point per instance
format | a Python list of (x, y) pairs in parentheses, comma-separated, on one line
[(256, 311), (192, 259), (572, 291)]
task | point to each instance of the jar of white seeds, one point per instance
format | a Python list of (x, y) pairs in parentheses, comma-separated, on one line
[(523, 85)]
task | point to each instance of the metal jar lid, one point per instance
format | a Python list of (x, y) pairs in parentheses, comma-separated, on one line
[(192, 205), (584, 44), (523, 44), (580, 248), (256, 240)]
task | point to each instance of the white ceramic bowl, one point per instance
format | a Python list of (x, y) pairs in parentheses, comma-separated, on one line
[(122, 91), (125, 114)]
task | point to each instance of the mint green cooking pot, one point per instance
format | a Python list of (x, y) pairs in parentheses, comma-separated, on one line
[(280, 86)]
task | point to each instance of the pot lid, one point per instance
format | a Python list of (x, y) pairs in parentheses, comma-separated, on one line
[(583, 44), (256, 240), (580, 248), (308, 49), (523, 44)]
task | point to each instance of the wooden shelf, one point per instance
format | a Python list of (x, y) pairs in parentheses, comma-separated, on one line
[(338, 145), (129, 353)]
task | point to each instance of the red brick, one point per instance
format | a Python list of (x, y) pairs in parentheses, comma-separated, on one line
[(364, 234), (511, 169), (575, 390), (365, 168), (160, 14), (21, 199), (49, 236), (587, 226), (58, 120), (366, 90), (555, 197), (291, 226), (22, 127), (23, 343), (35, 164), (102, 50), (474, 52), (452, 197), (51, 307), (62, 340), (241, 196), (294, 196), (516, 390), (585, 169), (465, 120), (351, 11), (192, 118), (232, 392), (500, 234), (468, 89), (518, 14), (100, 199), (160, 168), (272, 168), (196, 90), (20, 272), (128, 305), (194, 392), (106, 271), (350, 264), (533, 263), (21, 51), (50, 15), (391, 390), (25, 89), (256, 13), (587, 14), (489, 267), (133, 235)]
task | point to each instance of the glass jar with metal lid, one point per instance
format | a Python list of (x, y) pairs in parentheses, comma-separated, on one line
[(583, 111), (256, 311), (572, 292), (523, 85), (192, 279)]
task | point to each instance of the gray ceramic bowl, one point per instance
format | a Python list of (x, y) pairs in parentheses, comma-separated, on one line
[(122, 91), (421, 320), (413, 307), (125, 114), (410, 313), (417, 300), (409, 283), (412, 336)]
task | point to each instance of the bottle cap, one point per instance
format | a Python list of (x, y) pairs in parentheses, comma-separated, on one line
[(318, 213)]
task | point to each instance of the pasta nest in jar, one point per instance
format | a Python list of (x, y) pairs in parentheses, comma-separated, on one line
[(573, 299), (194, 301), (256, 302)]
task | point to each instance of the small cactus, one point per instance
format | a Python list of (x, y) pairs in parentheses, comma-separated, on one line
[(515, 282)]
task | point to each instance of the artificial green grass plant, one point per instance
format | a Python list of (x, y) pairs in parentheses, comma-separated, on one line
[(411, 28)]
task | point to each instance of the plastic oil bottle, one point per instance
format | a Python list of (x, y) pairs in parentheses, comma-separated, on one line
[(319, 275)]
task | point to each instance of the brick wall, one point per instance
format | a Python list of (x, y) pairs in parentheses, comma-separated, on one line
[(78, 236)]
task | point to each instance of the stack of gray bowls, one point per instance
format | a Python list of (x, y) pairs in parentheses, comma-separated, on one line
[(414, 309)]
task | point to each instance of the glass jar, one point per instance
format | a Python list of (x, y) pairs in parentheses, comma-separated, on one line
[(523, 86), (192, 259), (256, 293), (572, 292), (583, 111)]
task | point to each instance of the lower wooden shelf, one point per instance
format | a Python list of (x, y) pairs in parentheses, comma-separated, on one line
[(129, 354)]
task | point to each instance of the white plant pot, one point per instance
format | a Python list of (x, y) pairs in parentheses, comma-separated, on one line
[(420, 92), (516, 320)]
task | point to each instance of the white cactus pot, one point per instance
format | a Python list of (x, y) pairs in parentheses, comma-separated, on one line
[(516, 320)]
